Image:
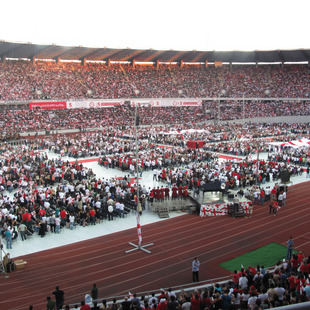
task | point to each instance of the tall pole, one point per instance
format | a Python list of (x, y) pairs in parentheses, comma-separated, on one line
[(137, 166), (138, 246)]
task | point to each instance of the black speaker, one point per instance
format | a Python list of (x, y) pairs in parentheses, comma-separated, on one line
[(285, 176), (231, 196)]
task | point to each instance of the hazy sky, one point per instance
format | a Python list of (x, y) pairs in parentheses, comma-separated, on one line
[(160, 24)]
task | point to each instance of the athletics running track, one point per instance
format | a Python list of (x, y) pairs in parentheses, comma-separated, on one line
[(176, 242)]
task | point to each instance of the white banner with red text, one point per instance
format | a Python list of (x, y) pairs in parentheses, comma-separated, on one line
[(166, 102), (93, 104)]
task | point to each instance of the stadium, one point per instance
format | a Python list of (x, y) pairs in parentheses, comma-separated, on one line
[(120, 166)]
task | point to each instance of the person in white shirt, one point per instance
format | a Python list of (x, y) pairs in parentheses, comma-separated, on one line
[(283, 198), (57, 223), (71, 220), (243, 282)]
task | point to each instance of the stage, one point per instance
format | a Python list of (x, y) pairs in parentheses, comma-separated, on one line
[(213, 203)]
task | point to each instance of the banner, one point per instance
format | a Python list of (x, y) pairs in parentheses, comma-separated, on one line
[(166, 102), (245, 205), (48, 105), (214, 210), (93, 104), (222, 208)]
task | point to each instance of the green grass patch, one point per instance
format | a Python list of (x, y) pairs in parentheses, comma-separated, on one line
[(267, 256)]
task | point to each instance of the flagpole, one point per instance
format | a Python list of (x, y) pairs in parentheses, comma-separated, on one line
[(139, 246)]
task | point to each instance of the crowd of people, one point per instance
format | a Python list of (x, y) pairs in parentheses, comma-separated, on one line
[(12, 122), (52, 193), (23, 80), (251, 288), (49, 194)]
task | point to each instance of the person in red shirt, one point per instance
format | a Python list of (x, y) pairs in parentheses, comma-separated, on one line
[(292, 283), (180, 191), (304, 268), (262, 197), (162, 304), (174, 192), (185, 193), (157, 193), (275, 207), (300, 283), (300, 257), (162, 193), (273, 194), (84, 306), (253, 269), (151, 196), (167, 191), (92, 215), (235, 277), (63, 217), (42, 212), (195, 302)]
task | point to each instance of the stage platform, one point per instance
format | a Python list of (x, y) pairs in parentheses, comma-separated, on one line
[(164, 207), (206, 204), (218, 197)]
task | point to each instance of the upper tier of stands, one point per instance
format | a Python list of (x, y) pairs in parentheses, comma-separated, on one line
[(23, 80)]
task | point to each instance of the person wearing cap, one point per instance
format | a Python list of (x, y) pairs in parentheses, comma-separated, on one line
[(195, 269)]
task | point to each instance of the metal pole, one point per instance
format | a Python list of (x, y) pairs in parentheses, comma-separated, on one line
[(138, 246), (137, 165)]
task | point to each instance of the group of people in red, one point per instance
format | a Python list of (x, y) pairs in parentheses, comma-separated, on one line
[(163, 193)]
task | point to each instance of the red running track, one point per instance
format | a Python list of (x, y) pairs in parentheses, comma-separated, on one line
[(176, 242)]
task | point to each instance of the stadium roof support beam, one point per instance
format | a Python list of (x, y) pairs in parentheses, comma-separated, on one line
[(83, 61), (281, 57)]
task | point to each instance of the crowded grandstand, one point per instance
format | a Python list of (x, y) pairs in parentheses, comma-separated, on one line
[(145, 118)]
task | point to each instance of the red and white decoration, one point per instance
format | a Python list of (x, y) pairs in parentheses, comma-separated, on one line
[(93, 104), (139, 229), (221, 209), (293, 143)]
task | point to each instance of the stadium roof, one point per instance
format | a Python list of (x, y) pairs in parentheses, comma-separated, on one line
[(34, 51)]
